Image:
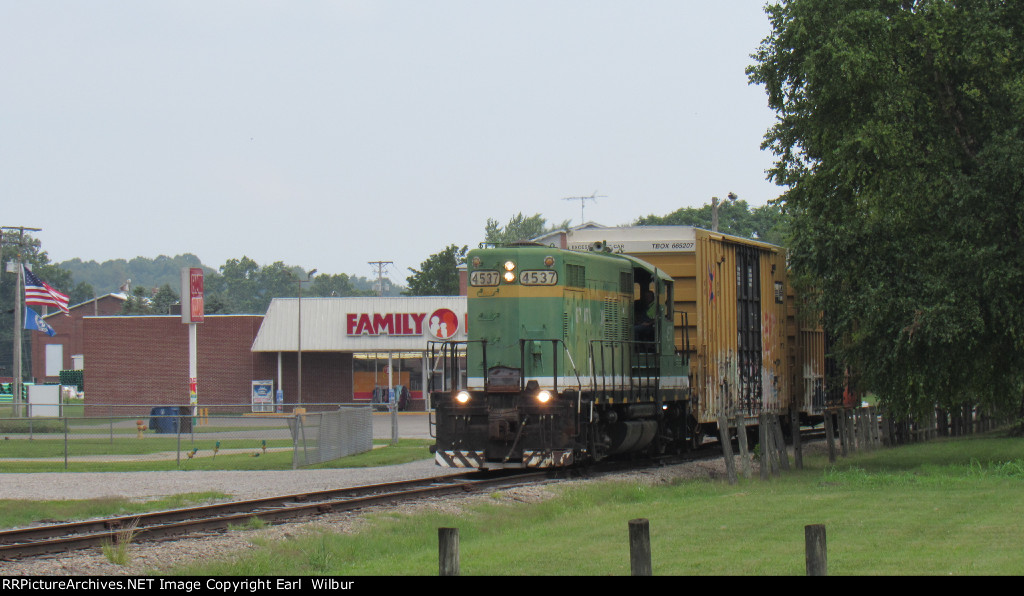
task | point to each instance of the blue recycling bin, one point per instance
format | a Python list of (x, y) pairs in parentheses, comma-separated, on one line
[(164, 420)]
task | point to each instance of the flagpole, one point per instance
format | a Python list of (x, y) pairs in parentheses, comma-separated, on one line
[(18, 292)]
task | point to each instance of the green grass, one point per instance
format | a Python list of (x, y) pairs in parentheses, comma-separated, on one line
[(17, 513), (947, 507), (40, 448), (406, 451)]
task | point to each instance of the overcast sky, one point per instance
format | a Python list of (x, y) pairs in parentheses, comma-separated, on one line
[(327, 134)]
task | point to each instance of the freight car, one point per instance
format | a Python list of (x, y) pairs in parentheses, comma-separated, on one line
[(572, 356), (751, 351), (605, 341)]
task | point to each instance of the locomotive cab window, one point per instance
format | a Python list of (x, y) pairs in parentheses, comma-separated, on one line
[(644, 306)]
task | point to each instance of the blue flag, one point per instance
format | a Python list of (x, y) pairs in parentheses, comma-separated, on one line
[(34, 321)]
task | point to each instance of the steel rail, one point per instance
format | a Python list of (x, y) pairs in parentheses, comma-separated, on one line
[(56, 538)]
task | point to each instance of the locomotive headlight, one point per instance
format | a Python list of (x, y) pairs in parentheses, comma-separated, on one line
[(510, 276), (462, 397), (510, 266), (549, 261), (544, 396)]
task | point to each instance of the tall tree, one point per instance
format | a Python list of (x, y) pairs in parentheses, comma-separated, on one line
[(900, 137), (519, 228), (14, 246), (735, 217), (438, 275)]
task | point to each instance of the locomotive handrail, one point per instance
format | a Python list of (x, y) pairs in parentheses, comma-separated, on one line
[(554, 362), (447, 352), (648, 355), (685, 325)]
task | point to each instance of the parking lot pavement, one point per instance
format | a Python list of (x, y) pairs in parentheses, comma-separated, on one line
[(411, 425)]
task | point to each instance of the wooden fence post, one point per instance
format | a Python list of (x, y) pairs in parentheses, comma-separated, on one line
[(448, 551), (741, 437), (816, 553), (830, 436), (794, 428), (766, 452), (851, 430), (780, 442), (726, 442), (640, 547)]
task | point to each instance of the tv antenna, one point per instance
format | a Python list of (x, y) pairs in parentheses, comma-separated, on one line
[(583, 202)]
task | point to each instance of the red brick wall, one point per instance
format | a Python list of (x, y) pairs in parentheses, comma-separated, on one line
[(143, 361), (326, 378), (69, 333)]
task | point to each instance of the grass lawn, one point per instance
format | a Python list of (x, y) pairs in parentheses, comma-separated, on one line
[(950, 507), (251, 457)]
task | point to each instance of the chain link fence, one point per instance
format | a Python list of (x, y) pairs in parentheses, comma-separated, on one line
[(161, 437)]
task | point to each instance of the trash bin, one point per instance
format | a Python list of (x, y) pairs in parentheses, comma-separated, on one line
[(164, 420), (185, 419)]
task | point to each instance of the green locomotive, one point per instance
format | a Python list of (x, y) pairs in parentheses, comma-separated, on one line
[(571, 357)]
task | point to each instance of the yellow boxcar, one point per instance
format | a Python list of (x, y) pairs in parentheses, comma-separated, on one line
[(736, 318)]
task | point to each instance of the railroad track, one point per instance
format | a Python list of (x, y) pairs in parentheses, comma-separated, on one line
[(158, 525), (161, 525)]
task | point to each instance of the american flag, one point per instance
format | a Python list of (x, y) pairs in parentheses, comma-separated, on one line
[(38, 291)]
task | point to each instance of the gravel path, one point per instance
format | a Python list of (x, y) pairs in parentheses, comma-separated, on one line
[(240, 485)]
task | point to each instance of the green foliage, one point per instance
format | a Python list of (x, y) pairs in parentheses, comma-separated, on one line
[(438, 275), (118, 552), (337, 285), (518, 229), (900, 137), (735, 217), (17, 513), (30, 251), (239, 286), (110, 276)]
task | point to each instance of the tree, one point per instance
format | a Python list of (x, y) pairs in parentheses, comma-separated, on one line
[(83, 292), (164, 299), (139, 303), (14, 247), (519, 228), (438, 275), (767, 223), (900, 138), (336, 285)]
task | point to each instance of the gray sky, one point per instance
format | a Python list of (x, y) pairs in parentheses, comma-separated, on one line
[(327, 134)]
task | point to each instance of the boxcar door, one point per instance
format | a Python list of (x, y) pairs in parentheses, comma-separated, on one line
[(748, 323)]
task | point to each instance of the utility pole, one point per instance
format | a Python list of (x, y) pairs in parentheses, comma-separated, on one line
[(381, 265), (392, 398), (583, 201), (18, 296)]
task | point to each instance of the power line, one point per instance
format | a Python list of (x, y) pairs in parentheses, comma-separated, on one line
[(381, 265)]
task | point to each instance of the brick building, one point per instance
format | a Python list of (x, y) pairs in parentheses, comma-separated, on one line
[(143, 360), (352, 351), (65, 350)]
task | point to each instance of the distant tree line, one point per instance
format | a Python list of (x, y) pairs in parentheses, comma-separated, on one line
[(239, 286)]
